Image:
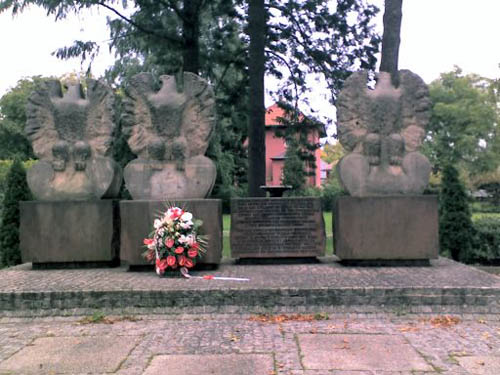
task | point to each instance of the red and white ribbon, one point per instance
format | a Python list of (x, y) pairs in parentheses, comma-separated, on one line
[(185, 273)]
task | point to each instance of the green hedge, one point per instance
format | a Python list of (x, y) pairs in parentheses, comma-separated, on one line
[(486, 244), (4, 169)]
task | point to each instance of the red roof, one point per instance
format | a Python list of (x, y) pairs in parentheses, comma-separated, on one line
[(273, 113)]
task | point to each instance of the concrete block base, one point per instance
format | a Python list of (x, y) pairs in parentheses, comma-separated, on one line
[(389, 228), (137, 217), (277, 228), (70, 234)]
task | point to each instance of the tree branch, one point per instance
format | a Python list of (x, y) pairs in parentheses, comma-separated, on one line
[(282, 59), (171, 39)]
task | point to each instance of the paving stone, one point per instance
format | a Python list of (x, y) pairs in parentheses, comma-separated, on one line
[(359, 352), (234, 364), (480, 365), (70, 355)]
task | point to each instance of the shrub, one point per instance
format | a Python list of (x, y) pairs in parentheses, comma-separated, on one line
[(4, 169), (455, 226), (487, 239), (331, 190), (16, 190)]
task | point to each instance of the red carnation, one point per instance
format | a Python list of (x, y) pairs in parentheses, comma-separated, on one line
[(189, 263), (182, 260), (192, 253), (171, 261), (169, 242), (179, 250), (162, 264)]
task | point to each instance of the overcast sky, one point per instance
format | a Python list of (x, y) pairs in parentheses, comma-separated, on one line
[(435, 36)]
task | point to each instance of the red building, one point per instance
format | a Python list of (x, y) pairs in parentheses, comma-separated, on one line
[(276, 149)]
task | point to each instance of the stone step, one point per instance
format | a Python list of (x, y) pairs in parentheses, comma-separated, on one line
[(327, 286)]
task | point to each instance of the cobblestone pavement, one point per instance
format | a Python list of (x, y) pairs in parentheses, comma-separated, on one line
[(252, 344)]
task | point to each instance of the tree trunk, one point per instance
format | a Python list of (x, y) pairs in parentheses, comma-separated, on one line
[(391, 39), (256, 127), (191, 36)]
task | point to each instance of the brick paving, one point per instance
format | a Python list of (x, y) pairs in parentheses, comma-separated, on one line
[(445, 286), (442, 344)]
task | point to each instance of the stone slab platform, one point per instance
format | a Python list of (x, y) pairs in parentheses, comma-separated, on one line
[(246, 344), (445, 286)]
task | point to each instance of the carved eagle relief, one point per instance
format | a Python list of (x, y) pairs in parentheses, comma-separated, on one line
[(72, 135), (383, 129), (169, 129)]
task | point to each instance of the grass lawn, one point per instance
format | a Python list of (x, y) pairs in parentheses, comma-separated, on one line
[(227, 227)]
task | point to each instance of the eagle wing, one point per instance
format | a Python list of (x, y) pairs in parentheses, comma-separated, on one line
[(136, 119), (40, 125)]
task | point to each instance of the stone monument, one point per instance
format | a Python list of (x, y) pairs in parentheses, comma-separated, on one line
[(386, 217), (71, 133), (168, 126), (72, 136), (169, 131)]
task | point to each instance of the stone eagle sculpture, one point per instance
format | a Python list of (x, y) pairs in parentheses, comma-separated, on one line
[(383, 129), (169, 129), (72, 135)]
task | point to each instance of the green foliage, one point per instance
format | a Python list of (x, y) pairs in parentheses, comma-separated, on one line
[(331, 154), (4, 170), (487, 239), (13, 142), (455, 227), (294, 173), (464, 125), (331, 191), (16, 190)]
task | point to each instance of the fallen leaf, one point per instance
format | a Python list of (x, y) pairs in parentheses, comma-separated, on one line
[(234, 338), (268, 318), (444, 321)]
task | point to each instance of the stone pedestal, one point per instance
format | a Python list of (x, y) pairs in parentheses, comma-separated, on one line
[(277, 227), (399, 228), (137, 217), (70, 233)]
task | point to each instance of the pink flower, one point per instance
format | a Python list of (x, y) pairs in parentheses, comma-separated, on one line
[(161, 265), (179, 250), (169, 242), (189, 263), (182, 260), (192, 253), (171, 261), (148, 241)]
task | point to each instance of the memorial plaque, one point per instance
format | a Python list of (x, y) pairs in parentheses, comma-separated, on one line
[(277, 227)]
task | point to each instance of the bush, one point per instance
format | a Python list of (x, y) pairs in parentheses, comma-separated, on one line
[(486, 247), (16, 190), (4, 169), (331, 190), (455, 226)]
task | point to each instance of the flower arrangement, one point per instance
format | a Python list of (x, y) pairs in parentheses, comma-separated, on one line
[(175, 241)]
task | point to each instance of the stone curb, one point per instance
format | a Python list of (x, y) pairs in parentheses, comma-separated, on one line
[(412, 300)]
